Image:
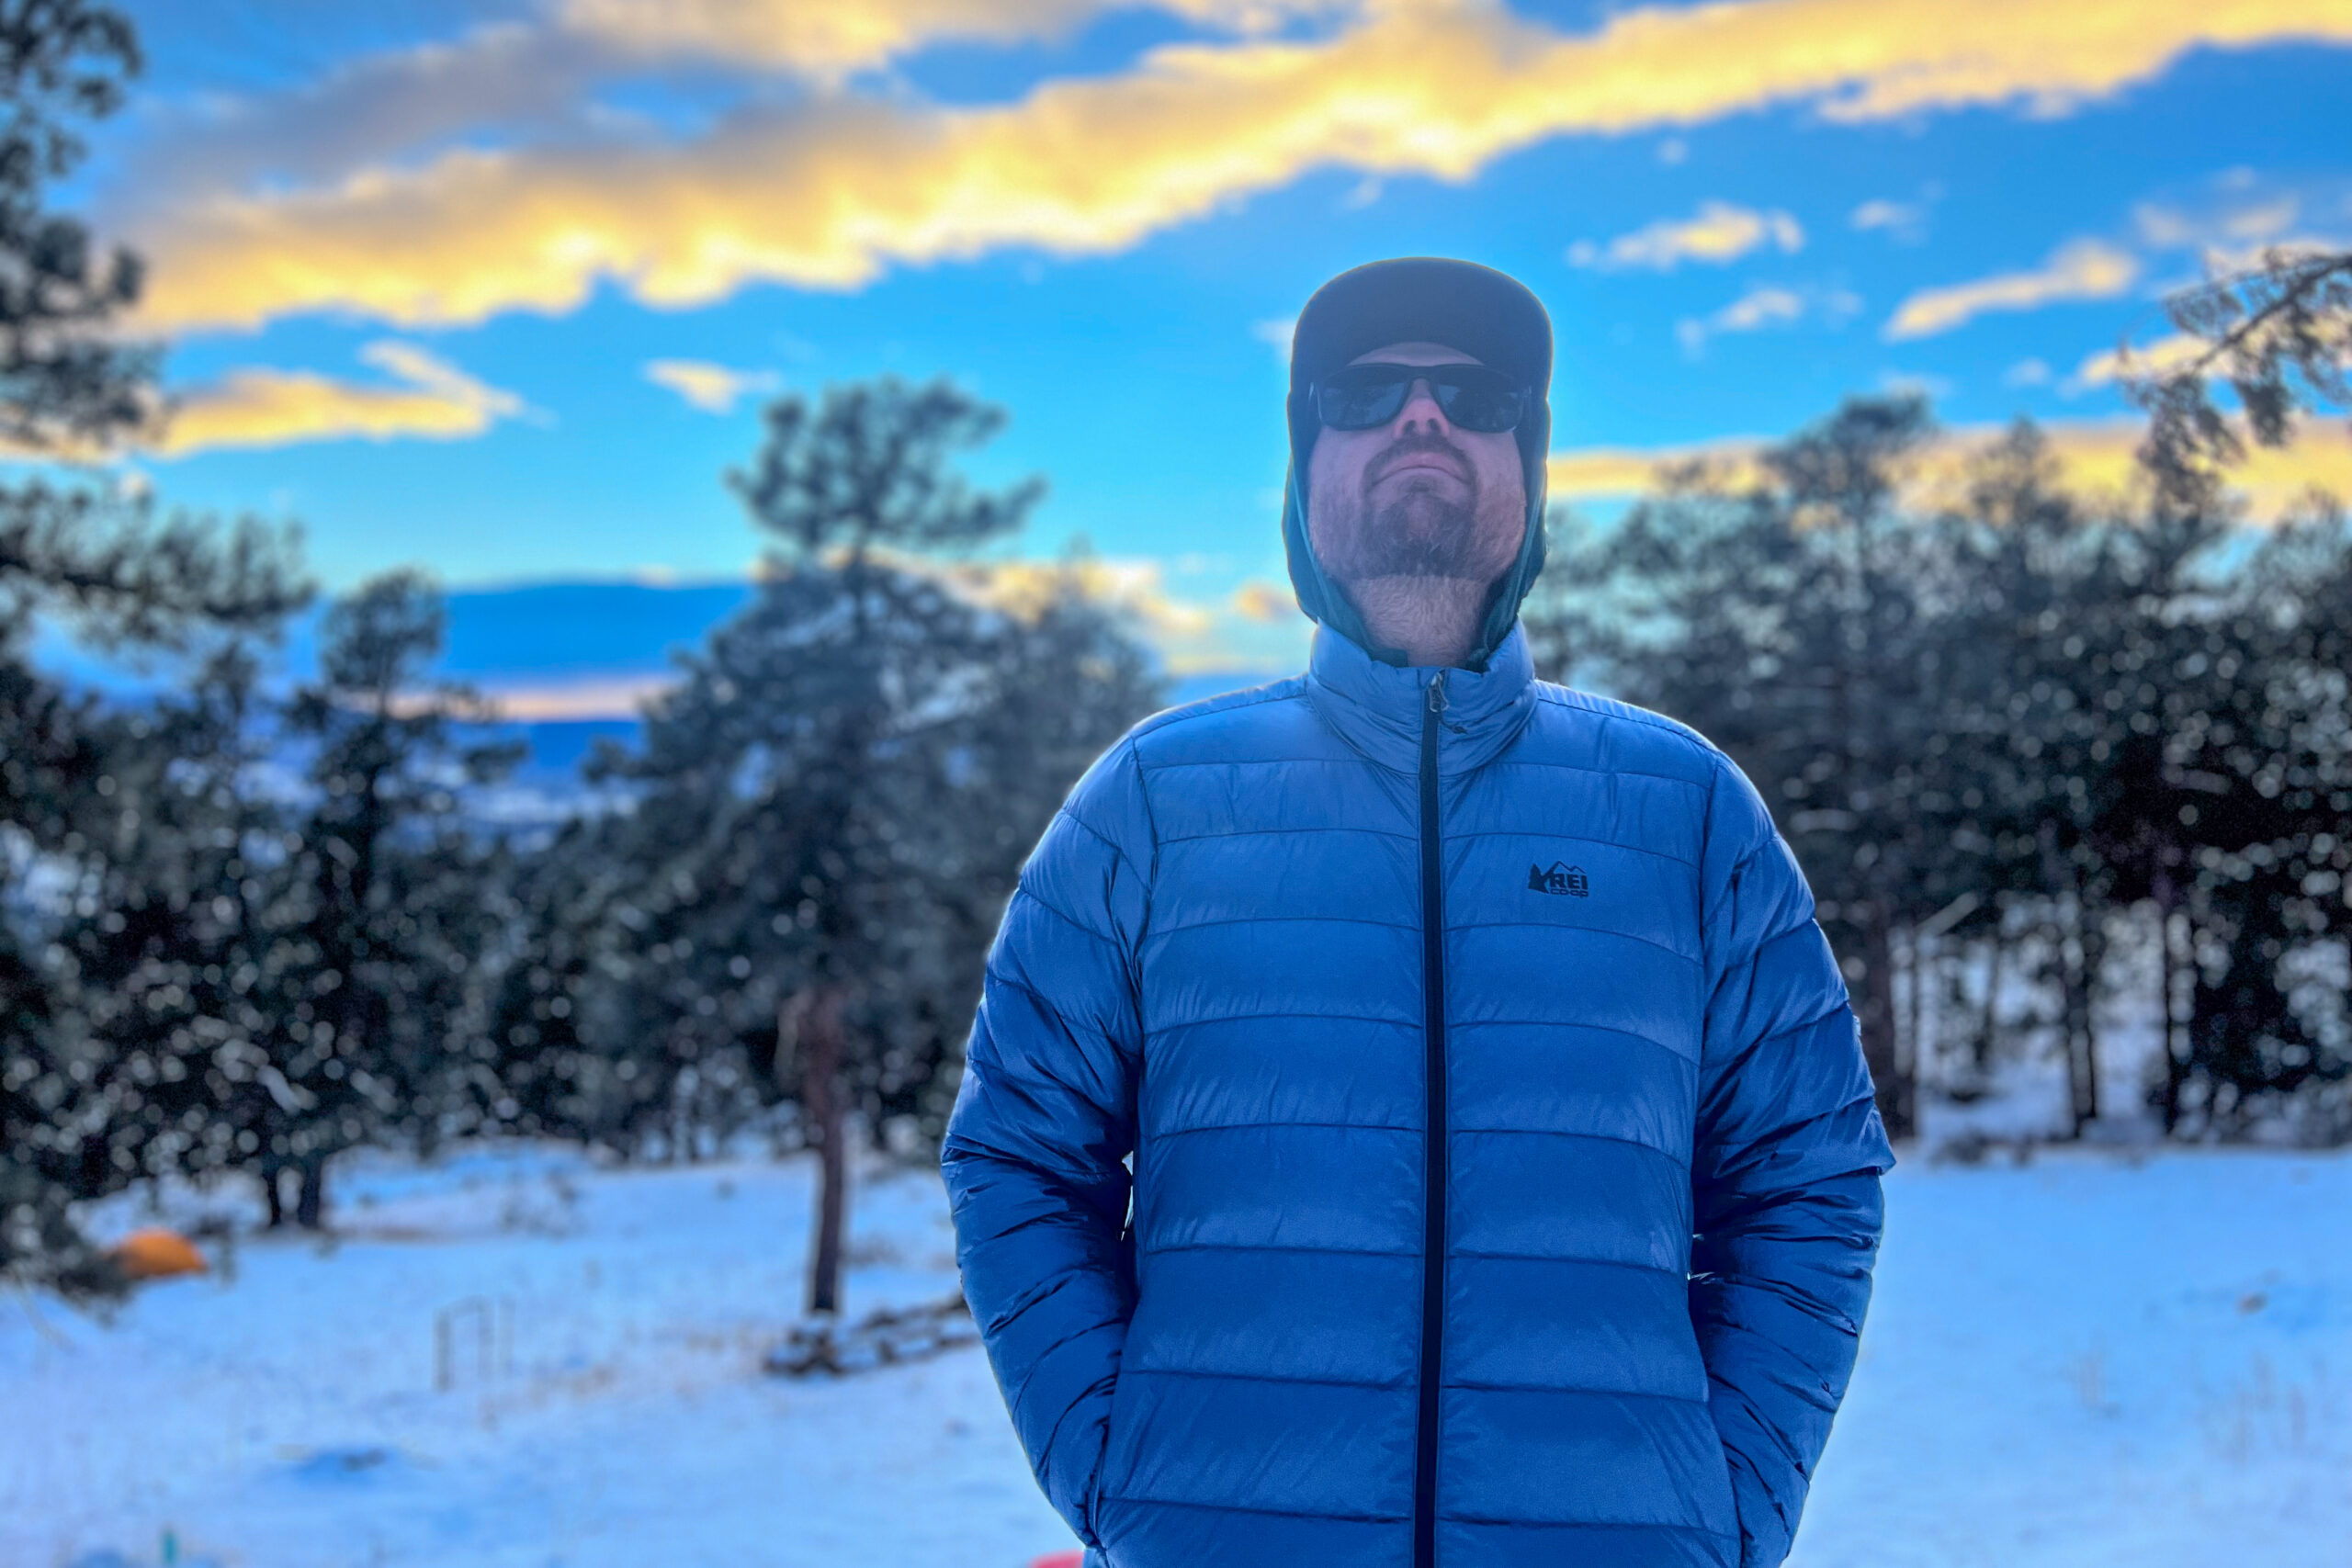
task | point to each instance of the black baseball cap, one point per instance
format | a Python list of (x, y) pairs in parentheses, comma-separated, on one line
[(1487, 314)]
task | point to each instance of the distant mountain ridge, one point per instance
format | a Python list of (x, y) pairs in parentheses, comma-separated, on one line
[(570, 659)]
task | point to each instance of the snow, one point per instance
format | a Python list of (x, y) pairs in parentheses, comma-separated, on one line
[(2099, 1356), (289, 1415)]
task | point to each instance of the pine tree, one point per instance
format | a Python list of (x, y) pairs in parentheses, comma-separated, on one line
[(176, 949), (831, 804), (2014, 719), (1779, 614), (385, 888), (98, 561)]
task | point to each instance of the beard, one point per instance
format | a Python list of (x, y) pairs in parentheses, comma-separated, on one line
[(1424, 527)]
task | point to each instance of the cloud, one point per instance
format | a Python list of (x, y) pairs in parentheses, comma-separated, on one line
[(2093, 453), (713, 388), (2100, 455), (2030, 372), (1905, 222), (2161, 357), (1758, 308), (1260, 600), (2247, 217), (2085, 269), (1592, 473), (258, 406), (1276, 334), (829, 188), (593, 696), (799, 35), (835, 39), (2235, 224), (1915, 383), (1885, 214), (1243, 632), (507, 77), (1717, 233), (1767, 305), (2155, 359)]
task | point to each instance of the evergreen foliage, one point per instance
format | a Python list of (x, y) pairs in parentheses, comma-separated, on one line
[(2278, 335), (103, 563), (825, 815), (2003, 724)]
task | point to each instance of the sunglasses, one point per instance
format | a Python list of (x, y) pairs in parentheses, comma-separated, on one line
[(1362, 397)]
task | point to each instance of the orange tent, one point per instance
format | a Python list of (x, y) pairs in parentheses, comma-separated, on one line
[(155, 1255)]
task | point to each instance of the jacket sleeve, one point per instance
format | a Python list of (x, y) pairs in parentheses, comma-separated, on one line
[(1784, 1172), (1043, 1122)]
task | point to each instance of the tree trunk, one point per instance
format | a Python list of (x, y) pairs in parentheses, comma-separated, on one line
[(2076, 963), (1915, 969), (310, 1203), (2168, 1096), (273, 1194), (2092, 923), (814, 1021), (1988, 1038), (2082, 1048), (1881, 1051)]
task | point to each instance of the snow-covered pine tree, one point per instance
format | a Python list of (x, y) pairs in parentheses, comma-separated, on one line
[(97, 560)]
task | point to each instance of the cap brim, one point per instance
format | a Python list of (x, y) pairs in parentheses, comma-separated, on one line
[(1484, 313)]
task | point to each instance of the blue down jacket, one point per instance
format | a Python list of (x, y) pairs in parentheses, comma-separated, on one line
[(1505, 1169)]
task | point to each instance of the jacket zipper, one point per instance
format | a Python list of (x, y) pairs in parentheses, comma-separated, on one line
[(1433, 1034)]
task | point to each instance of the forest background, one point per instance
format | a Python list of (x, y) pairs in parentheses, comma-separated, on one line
[(2027, 738)]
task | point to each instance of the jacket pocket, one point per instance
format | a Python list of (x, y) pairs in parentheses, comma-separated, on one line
[(1115, 1424)]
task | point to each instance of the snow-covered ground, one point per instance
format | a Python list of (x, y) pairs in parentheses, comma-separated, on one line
[(2097, 1357)]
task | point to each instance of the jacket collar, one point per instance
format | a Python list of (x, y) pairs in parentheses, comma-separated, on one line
[(1377, 708)]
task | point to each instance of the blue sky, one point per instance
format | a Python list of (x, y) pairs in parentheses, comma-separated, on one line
[(416, 260)]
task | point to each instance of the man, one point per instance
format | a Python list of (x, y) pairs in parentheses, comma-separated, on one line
[(1506, 1174)]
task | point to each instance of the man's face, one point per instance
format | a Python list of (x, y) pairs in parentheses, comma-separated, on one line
[(1415, 496)]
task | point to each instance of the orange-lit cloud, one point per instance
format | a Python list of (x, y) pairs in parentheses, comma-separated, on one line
[(1264, 603), (831, 38), (593, 696), (713, 388), (2099, 455), (1134, 585), (829, 190), (2166, 354), (1597, 473), (2086, 269), (515, 78), (429, 398), (1244, 632), (1718, 232), (2094, 455)]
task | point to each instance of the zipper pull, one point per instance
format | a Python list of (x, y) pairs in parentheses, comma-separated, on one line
[(1437, 693)]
